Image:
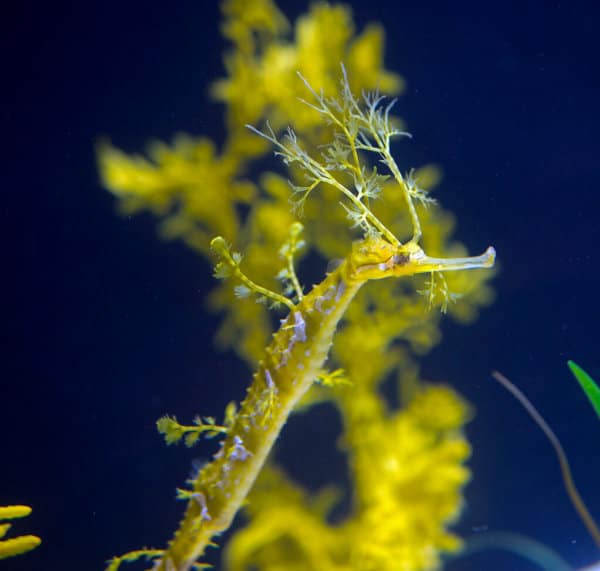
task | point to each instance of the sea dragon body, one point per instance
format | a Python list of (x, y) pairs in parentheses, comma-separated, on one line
[(290, 365)]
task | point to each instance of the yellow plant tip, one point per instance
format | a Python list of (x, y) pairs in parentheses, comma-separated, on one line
[(333, 378), (133, 556), (219, 246), (174, 432), (18, 545), (296, 228), (229, 266), (14, 512), (287, 276)]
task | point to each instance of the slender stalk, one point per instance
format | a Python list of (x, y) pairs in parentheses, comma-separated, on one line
[(565, 468)]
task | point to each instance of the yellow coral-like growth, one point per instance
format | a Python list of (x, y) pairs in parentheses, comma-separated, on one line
[(408, 469), (409, 475), (17, 545), (194, 190), (262, 67)]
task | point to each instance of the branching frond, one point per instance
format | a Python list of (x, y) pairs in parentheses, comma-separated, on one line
[(290, 248), (335, 158), (229, 267), (334, 378), (133, 556), (419, 194), (359, 126), (174, 432)]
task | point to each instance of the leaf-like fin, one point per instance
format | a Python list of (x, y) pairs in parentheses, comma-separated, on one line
[(590, 388)]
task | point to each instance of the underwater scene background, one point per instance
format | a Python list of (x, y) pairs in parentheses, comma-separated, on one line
[(107, 327)]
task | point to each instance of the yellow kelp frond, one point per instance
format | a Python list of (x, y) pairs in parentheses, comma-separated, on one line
[(17, 545), (133, 556), (14, 512), (365, 61), (409, 474), (287, 529), (192, 188), (261, 72), (245, 20), (326, 30)]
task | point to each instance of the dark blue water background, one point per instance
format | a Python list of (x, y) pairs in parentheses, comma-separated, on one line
[(104, 325)]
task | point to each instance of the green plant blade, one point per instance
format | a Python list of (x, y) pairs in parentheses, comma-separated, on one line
[(590, 388)]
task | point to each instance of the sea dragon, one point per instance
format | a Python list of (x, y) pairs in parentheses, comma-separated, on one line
[(300, 347)]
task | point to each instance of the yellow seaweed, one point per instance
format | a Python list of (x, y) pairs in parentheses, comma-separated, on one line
[(16, 545)]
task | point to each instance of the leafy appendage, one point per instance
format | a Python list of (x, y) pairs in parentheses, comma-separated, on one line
[(17, 545), (438, 293), (132, 556), (287, 253), (335, 378), (229, 267), (590, 388), (174, 432), (366, 127)]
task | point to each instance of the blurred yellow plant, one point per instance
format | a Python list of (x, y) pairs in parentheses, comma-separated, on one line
[(17, 545), (408, 474)]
